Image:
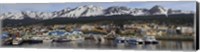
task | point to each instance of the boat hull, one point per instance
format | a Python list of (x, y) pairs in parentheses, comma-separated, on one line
[(61, 40), (151, 42)]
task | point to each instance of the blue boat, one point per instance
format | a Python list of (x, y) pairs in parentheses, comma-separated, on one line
[(4, 35), (134, 40), (59, 33)]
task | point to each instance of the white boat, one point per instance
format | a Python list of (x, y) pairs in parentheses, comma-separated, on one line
[(36, 38), (17, 41), (150, 39), (120, 40), (140, 41), (75, 38), (47, 40)]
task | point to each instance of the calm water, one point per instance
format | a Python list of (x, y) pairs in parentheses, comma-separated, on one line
[(163, 45)]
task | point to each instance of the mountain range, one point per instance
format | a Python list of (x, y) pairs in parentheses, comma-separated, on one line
[(92, 11)]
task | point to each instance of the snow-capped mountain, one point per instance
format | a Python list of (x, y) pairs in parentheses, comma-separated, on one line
[(137, 12), (90, 10), (39, 15), (10, 15), (156, 10), (117, 10), (84, 11)]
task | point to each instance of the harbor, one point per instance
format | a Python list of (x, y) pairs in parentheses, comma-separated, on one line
[(109, 25), (102, 34), (147, 33), (69, 38), (116, 34)]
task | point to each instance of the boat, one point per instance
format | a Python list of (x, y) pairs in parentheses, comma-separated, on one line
[(33, 40), (120, 40), (140, 41), (134, 40), (47, 40), (61, 40), (76, 38), (17, 41), (7, 41), (150, 40), (131, 41)]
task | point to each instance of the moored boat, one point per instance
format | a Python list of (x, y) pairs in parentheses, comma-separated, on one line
[(61, 40), (134, 40), (17, 41), (120, 40), (7, 41), (75, 38), (150, 40), (47, 40)]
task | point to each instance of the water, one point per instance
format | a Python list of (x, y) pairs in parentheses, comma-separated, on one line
[(163, 45)]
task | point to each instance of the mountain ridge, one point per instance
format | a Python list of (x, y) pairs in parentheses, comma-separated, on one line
[(91, 10)]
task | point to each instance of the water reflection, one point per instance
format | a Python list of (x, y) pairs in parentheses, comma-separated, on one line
[(163, 45), (176, 45)]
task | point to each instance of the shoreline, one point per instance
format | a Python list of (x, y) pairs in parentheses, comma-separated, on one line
[(175, 38)]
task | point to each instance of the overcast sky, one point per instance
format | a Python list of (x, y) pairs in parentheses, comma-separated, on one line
[(49, 7)]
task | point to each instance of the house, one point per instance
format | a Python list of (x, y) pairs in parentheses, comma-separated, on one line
[(87, 27), (187, 30)]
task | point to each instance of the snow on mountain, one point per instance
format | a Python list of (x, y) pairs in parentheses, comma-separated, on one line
[(90, 10), (136, 12), (171, 11), (39, 15), (157, 10), (63, 11), (117, 10), (10, 15)]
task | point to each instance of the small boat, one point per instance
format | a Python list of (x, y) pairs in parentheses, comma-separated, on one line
[(120, 40), (150, 40), (17, 41), (140, 41), (33, 40), (131, 41), (76, 38), (61, 40), (134, 40), (47, 40), (7, 41)]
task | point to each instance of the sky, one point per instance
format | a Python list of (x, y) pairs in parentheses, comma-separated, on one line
[(50, 7)]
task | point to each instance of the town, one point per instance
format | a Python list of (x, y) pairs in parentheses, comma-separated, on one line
[(137, 32)]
